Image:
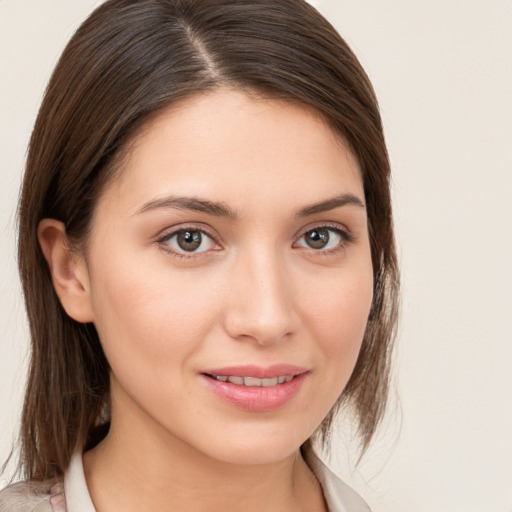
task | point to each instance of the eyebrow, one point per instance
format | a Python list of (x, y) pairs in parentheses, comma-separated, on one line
[(189, 203), (330, 204), (222, 210)]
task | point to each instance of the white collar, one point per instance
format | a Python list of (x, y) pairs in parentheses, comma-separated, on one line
[(338, 495), (75, 487)]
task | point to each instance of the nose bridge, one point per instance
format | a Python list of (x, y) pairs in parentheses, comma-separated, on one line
[(261, 305)]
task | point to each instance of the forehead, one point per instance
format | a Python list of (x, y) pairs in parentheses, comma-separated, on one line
[(226, 143)]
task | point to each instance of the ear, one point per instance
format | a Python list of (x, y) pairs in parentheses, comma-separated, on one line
[(69, 271)]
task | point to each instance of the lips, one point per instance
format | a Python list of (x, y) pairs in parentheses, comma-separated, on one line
[(256, 389)]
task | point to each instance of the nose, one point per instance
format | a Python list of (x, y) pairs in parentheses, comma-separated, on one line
[(261, 303)]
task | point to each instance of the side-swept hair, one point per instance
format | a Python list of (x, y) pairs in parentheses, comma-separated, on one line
[(127, 61)]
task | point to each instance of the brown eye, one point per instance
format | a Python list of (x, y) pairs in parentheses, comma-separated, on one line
[(324, 238), (189, 241), (317, 238)]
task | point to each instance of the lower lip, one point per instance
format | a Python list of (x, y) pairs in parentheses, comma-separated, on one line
[(256, 398)]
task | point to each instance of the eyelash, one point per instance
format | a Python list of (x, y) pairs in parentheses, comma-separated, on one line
[(346, 239)]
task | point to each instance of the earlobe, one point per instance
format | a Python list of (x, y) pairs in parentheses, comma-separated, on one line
[(69, 271)]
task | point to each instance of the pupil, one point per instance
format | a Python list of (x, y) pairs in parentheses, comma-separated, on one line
[(318, 238), (189, 240)]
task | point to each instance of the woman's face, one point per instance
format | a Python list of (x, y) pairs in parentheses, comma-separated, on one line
[(230, 278)]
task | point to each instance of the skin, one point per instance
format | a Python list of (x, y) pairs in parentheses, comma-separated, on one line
[(254, 293)]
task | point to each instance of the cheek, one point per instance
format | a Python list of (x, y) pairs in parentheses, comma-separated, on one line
[(337, 315), (151, 325), (145, 318)]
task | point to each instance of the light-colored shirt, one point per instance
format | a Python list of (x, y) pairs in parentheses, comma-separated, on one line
[(71, 493)]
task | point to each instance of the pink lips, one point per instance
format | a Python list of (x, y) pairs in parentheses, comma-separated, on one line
[(256, 398)]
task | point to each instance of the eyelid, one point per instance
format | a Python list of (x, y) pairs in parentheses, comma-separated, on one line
[(192, 226), (336, 226)]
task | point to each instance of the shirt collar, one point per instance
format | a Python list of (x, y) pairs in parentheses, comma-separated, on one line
[(339, 497), (75, 487)]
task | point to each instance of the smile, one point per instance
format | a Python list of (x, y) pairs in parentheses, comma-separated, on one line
[(253, 381), (254, 388)]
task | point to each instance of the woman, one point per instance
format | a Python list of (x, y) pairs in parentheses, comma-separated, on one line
[(207, 257)]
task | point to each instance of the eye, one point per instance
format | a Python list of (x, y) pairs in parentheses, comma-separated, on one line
[(191, 241), (323, 238)]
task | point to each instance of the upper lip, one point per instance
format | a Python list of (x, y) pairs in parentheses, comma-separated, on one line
[(260, 372)]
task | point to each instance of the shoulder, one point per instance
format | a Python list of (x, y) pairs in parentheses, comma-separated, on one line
[(33, 497)]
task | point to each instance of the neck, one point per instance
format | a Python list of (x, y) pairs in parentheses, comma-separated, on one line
[(130, 470)]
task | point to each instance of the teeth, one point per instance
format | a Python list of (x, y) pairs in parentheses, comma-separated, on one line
[(254, 381)]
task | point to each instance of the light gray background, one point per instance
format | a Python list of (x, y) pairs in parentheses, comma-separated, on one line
[(443, 73)]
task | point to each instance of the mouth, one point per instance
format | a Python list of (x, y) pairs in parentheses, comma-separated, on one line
[(256, 389)]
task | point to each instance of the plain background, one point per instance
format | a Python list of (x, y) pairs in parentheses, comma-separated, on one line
[(443, 74)]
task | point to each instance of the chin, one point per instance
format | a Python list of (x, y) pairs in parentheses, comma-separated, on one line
[(256, 448)]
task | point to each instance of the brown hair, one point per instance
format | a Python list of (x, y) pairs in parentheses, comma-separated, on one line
[(127, 61)]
